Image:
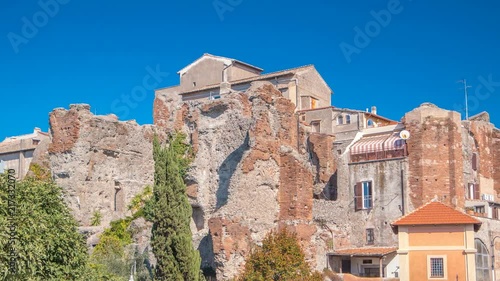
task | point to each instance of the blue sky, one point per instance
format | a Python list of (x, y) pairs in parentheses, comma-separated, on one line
[(392, 54)]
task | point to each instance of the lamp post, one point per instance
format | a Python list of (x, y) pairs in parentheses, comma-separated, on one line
[(493, 256)]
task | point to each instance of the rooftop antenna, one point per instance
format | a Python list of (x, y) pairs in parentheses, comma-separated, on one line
[(466, 97)]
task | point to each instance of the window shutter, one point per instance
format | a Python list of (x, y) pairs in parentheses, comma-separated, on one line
[(474, 161), (476, 191), (358, 196), (371, 194)]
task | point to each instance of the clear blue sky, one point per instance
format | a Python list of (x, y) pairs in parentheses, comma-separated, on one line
[(95, 51)]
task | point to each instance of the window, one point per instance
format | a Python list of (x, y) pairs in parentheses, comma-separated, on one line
[(482, 263), (474, 161), (363, 195), (370, 236), (494, 213), (340, 120), (473, 191), (369, 123), (214, 96), (479, 209), (348, 119), (315, 126), (194, 84), (436, 267), (314, 103)]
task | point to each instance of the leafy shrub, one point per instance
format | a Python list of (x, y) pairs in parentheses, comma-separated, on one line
[(281, 259)]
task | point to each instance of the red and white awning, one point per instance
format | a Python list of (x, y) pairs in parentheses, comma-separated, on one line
[(369, 144), (376, 143), (394, 142)]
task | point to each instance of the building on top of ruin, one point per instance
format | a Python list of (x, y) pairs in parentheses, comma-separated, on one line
[(344, 123), (211, 77), (17, 152)]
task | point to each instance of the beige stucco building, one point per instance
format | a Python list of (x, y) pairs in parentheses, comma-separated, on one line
[(210, 77), (436, 242), (17, 152)]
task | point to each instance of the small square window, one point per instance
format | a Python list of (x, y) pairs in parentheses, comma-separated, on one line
[(436, 267)]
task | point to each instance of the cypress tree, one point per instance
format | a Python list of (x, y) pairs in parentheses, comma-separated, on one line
[(171, 234)]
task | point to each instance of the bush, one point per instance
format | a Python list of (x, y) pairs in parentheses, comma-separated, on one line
[(280, 259), (47, 245)]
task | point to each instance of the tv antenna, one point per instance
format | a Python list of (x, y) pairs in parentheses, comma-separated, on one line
[(466, 97)]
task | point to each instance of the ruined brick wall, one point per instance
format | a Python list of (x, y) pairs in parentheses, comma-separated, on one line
[(435, 156), (322, 157), (100, 162), (496, 159), (479, 139), (250, 174)]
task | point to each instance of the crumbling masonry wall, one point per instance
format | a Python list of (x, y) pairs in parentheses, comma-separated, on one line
[(435, 156)]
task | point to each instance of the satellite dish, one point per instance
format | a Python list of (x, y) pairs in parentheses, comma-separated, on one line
[(404, 134)]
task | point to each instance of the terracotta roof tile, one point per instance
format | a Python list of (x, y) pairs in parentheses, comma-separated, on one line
[(434, 213), (366, 251)]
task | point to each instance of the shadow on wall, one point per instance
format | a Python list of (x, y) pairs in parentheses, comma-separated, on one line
[(226, 171), (331, 187), (207, 257), (330, 190)]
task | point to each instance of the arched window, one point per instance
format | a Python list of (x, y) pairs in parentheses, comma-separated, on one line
[(369, 123), (482, 261), (348, 119)]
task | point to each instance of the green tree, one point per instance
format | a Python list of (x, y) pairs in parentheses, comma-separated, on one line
[(47, 245), (279, 259), (171, 235)]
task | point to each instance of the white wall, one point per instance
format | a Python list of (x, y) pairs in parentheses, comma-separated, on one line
[(390, 263)]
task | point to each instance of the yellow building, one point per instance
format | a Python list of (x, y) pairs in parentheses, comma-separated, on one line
[(436, 242)]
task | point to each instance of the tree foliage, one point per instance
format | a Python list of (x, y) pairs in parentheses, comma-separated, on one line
[(115, 254), (171, 234), (279, 259), (47, 245)]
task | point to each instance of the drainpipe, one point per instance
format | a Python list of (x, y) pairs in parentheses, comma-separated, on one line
[(466, 257), (297, 107), (224, 74), (381, 272), (402, 190)]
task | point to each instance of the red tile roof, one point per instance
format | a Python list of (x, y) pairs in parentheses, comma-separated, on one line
[(366, 251), (436, 213)]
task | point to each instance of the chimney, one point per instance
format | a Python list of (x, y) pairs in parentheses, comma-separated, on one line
[(374, 110)]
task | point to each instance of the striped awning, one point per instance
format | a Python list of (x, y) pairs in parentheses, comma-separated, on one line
[(394, 142), (370, 144)]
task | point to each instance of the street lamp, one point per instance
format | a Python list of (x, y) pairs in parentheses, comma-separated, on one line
[(493, 256)]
